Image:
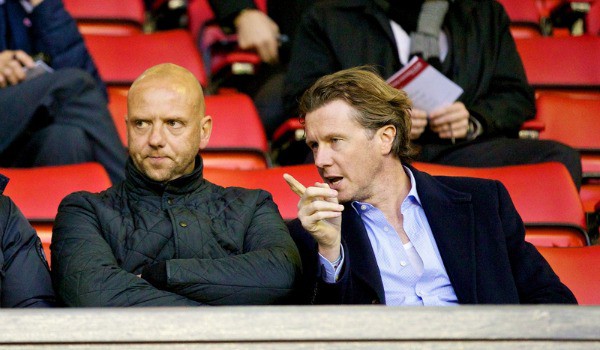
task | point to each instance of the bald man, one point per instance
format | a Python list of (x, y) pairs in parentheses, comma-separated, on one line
[(166, 236)]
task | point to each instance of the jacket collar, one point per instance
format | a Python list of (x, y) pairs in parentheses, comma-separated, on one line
[(364, 265), (136, 181), (450, 216)]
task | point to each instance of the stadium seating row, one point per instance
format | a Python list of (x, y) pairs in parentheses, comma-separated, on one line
[(551, 209)]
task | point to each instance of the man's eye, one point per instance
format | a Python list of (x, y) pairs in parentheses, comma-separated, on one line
[(140, 123), (174, 124)]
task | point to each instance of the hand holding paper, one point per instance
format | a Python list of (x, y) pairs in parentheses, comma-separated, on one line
[(426, 86)]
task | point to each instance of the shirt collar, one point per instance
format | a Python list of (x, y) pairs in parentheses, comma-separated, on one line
[(412, 197)]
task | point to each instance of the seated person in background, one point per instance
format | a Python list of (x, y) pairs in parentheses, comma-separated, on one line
[(467, 40), (271, 35), (54, 118), (378, 231), (24, 273), (165, 236)]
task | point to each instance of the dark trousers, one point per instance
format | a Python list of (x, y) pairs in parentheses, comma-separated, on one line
[(59, 118), (504, 151)]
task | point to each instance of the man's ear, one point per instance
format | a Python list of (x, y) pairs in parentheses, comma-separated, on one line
[(205, 131), (386, 135)]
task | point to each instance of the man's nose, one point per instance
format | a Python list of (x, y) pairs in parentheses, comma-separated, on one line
[(157, 136), (322, 157)]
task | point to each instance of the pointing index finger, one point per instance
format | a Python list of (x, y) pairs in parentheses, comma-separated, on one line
[(294, 184)]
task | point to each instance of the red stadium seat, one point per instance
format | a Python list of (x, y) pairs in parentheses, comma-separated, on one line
[(543, 194), (526, 18), (572, 118), (38, 191), (238, 139), (121, 59), (552, 62), (111, 17), (593, 19), (268, 179), (578, 269)]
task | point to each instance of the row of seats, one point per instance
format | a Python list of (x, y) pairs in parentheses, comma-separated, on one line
[(551, 210)]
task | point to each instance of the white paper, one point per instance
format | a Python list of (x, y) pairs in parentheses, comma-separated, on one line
[(426, 86)]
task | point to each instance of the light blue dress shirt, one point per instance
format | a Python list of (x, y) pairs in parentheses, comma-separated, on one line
[(412, 273)]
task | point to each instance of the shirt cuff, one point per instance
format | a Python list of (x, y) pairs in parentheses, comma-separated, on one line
[(332, 270)]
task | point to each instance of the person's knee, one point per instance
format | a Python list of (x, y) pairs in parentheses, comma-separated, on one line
[(61, 144), (568, 156), (74, 77)]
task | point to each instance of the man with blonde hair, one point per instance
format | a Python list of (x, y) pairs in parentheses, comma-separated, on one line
[(378, 231)]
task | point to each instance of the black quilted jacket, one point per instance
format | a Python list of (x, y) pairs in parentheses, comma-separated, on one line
[(212, 245)]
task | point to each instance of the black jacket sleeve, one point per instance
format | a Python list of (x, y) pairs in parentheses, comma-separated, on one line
[(226, 10), (25, 277), (85, 270), (264, 273)]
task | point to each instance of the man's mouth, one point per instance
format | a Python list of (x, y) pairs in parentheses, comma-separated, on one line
[(333, 180)]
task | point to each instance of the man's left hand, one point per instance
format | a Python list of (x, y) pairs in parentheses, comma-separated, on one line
[(450, 122)]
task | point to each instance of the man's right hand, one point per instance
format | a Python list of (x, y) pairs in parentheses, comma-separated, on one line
[(320, 214), (12, 67), (257, 31), (419, 122)]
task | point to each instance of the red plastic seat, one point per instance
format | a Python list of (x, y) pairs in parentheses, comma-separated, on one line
[(572, 118), (593, 19), (526, 18), (270, 180), (238, 139), (543, 194), (561, 61), (110, 17), (121, 59), (38, 191), (578, 269)]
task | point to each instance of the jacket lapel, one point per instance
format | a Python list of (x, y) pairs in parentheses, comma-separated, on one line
[(450, 216), (360, 253)]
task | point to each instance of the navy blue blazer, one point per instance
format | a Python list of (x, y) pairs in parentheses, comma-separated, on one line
[(481, 239)]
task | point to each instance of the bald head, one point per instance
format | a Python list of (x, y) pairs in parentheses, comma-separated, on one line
[(166, 125), (173, 77)]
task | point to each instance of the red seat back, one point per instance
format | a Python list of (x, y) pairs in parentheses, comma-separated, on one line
[(121, 59), (270, 180), (38, 191), (544, 196), (573, 119), (111, 17), (578, 269), (561, 61)]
